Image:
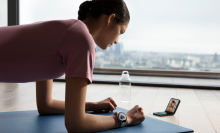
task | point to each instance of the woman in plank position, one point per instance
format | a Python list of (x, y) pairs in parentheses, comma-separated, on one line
[(43, 51)]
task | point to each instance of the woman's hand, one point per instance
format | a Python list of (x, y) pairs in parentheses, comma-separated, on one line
[(107, 104), (135, 116)]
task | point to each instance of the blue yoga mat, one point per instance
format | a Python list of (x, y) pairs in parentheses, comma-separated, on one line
[(31, 122)]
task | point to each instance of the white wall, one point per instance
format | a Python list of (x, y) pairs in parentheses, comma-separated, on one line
[(3, 13)]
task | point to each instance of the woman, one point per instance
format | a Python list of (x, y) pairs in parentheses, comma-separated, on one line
[(171, 106), (46, 50)]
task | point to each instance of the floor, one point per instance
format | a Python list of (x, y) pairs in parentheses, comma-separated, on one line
[(199, 109), (181, 82)]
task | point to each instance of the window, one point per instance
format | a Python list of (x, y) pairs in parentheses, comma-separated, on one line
[(3, 13), (162, 35)]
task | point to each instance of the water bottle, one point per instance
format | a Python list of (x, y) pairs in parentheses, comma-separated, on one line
[(125, 87)]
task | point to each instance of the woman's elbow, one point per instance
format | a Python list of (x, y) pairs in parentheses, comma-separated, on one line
[(74, 126), (70, 128), (43, 109), (42, 112)]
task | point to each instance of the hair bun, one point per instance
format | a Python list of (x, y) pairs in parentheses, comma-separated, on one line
[(83, 9), (95, 8)]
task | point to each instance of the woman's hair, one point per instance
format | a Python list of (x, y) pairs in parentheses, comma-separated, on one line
[(96, 8)]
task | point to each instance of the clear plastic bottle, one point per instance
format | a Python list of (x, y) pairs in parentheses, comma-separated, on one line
[(125, 87)]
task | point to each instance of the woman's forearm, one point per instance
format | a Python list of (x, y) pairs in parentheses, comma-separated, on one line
[(90, 106), (101, 123), (95, 123), (58, 107)]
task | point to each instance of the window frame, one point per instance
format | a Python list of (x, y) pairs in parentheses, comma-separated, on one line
[(163, 73), (13, 12)]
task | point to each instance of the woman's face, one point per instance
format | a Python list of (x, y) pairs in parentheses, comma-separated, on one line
[(110, 32), (173, 103)]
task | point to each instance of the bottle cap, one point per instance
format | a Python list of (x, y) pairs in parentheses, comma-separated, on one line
[(125, 74)]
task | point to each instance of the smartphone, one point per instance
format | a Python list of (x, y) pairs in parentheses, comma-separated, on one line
[(171, 108)]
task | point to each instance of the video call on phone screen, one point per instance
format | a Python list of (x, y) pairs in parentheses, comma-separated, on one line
[(172, 105)]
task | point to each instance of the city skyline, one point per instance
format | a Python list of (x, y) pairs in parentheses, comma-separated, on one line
[(116, 58)]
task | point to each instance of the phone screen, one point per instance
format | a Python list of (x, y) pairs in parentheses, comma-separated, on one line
[(172, 105), (161, 113)]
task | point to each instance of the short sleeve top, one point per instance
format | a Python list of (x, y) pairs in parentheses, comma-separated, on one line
[(46, 50), (77, 51)]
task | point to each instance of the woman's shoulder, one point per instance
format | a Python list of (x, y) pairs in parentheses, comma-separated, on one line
[(58, 23), (80, 28), (80, 32)]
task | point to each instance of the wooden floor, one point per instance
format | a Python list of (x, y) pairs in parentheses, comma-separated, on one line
[(199, 109)]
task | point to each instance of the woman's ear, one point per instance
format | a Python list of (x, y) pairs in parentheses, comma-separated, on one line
[(111, 18)]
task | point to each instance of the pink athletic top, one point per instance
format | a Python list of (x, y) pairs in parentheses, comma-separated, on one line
[(46, 50)]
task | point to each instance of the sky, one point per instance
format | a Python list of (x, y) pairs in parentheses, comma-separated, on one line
[(184, 26)]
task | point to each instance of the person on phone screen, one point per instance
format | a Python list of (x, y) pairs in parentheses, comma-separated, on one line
[(171, 106), (42, 51)]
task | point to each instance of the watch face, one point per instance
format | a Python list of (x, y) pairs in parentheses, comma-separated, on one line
[(122, 117)]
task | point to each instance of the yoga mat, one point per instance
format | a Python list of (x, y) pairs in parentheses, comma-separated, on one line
[(32, 122)]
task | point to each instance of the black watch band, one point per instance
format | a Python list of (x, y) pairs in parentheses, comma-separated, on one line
[(121, 117)]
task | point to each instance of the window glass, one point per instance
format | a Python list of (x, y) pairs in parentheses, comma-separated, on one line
[(162, 35), (3, 13)]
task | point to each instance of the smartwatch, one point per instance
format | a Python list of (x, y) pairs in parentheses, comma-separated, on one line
[(121, 117)]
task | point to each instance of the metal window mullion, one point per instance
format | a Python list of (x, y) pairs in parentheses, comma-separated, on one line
[(13, 12)]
